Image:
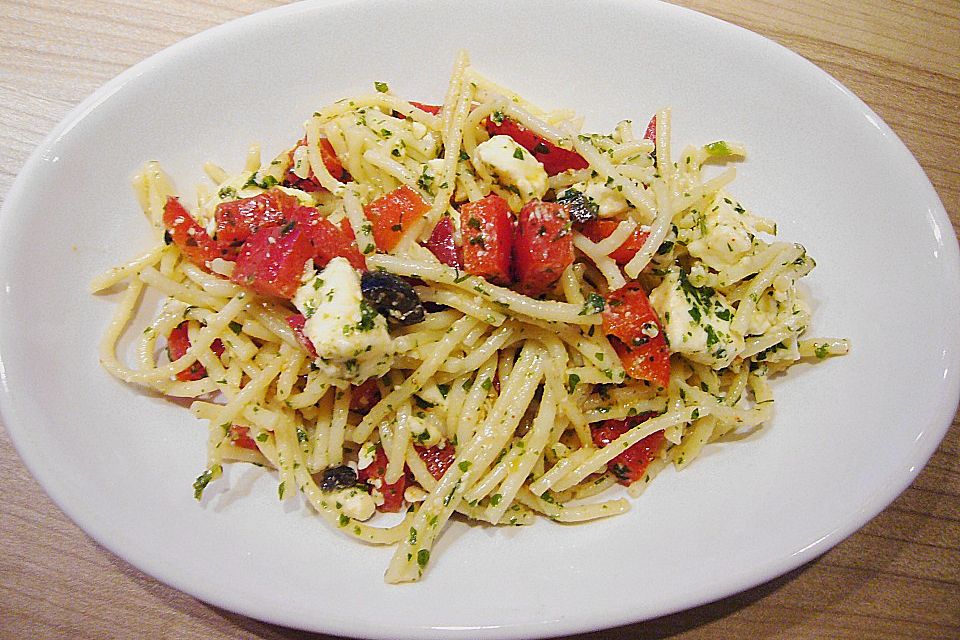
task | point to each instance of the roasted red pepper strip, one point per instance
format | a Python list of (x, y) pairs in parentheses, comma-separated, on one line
[(239, 436), (651, 132), (373, 475), (364, 396), (553, 158), (310, 183), (429, 108), (271, 260), (437, 459), (486, 227), (191, 238), (329, 241), (630, 465), (542, 247), (296, 322), (636, 334), (442, 244), (238, 219), (177, 344), (394, 213), (597, 230)]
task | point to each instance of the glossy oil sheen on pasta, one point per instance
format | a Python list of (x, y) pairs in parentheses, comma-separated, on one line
[(497, 406)]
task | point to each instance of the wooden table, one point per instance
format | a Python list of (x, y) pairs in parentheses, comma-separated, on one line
[(899, 577)]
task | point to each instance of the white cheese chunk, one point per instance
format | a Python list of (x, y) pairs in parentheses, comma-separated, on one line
[(723, 235), (350, 337), (355, 503), (696, 322), (774, 308), (610, 202), (513, 167)]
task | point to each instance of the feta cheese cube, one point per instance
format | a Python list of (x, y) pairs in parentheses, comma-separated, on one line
[(696, 321), (610, 202), (723, 235), (350, 337), (513, 167)]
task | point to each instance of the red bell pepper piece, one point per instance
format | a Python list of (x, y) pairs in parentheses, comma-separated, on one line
[(296, 322), (271, 260), (486, 227), (329, 241), (177, 344), (310, 183), (429, 108), (441, 243), (239, 436), (636, 334), (364, 396), (651, 132), (553, 158), (373, 475), (237, 220), (630, 465), (597, 230), (191, 238), (438, 459), (543, 246), (394, 213)]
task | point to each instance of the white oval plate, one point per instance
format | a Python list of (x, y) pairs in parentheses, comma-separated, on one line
[(848, 436)]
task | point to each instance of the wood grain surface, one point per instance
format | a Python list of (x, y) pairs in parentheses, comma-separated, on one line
[(897, 578)]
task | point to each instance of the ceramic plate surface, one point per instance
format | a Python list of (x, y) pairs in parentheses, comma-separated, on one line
[(848, 436)]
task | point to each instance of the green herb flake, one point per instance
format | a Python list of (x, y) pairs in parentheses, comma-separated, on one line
[(204, 479), (381, 87), (423, 557), (572, 381), (718, 149), (593, 304)]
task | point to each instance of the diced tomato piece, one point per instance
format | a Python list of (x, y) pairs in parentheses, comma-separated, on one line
[(429, 108), (177, 344), (330, 161), (438, 459), (597, 230), (394, 213), (441, 243), (630, 465), (543, 246), (237, 220), (191, 238), (239, 436), (364, 396), (392, 493), (553, 158), (329, 241), (271, 260), (486, 227), (637, 335), (296, 322)]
